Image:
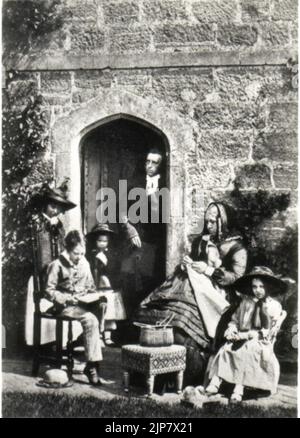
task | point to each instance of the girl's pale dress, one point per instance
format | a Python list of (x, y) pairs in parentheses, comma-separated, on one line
[(252, 362)]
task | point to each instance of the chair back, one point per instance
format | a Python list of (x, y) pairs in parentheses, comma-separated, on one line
[(277, 326), (39, 271)]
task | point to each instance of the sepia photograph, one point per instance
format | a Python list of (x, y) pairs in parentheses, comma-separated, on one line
[(149, 211)]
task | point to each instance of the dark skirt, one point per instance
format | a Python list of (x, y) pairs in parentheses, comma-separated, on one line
[(176, 297)]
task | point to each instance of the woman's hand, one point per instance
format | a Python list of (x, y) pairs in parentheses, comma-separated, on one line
[(186, 260), (231, 333), (253, 334), (218, 274), (199, 267)]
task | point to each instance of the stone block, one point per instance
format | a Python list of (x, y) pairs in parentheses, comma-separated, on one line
[(286, 176), (254, 84), (211, 116), (236, 35), (93, 79), (56, 81), (284, 10), (239, 84), (283, 116), (275, 34), (225, 145), (173, 86), (15, 76), (294, 34), (86, 39), (162, 10), (121, 12), (255, 10), (294, 198), (277, 85), (139, 78), (123, 39), (55, 99), (217, 195), (222, 11), (136, 81), (80, 10), (83, 95), (276, 145), (183, 34), (209, 175), (20, 92), (253, 176)]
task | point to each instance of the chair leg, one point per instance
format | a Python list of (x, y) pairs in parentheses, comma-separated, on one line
[(70, 360), (36, 344), (59, 343)]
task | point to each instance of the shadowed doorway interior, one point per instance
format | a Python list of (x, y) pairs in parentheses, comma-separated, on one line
[(116, 150)]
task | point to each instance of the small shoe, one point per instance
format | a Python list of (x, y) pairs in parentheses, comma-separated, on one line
[(236, 398), (109, 343), (92, 375), (212, 390)]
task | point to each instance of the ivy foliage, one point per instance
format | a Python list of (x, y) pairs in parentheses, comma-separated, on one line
[(26, 21), (25, 141), (254, 208)]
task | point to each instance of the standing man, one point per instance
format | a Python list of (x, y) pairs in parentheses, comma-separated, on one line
[(143, 265)]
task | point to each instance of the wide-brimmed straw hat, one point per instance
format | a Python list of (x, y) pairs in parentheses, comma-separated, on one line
[(100, 229), (277, 285), (57, 195), (55, 379)]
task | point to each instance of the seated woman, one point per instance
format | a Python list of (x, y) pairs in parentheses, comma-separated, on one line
[(199, 291), (247, 358)]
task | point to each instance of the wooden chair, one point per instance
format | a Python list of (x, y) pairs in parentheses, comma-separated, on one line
[(61, 356)]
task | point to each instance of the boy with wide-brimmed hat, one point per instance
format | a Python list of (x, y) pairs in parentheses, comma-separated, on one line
[(47, 224), (247, 358), (48, 206)]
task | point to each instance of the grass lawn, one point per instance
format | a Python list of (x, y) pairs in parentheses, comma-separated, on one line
[(38, 405)]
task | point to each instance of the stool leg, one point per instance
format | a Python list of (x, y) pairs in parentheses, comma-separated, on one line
[(150, 385), (126, 381), (179, 381), (59, 343), (37, 344), (70, 360)]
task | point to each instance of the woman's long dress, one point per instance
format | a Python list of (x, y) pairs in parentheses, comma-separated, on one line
[(176, 297)]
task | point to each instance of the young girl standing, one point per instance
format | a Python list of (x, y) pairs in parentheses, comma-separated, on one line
[(99, 239), (247, 358)]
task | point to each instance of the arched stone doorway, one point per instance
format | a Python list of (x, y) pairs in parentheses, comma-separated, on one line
[(115, 152), (69, 130)]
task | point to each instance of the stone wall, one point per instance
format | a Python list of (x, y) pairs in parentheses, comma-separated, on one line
[(220, 70), (98, 33)]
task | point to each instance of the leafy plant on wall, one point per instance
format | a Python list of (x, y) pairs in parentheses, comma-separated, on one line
[(254, 209), (25, 171), (27, 23)]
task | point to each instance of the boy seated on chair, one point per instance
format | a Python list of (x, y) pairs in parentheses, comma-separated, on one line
[(69, 278)]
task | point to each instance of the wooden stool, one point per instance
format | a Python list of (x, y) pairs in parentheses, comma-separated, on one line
[(152, 361)]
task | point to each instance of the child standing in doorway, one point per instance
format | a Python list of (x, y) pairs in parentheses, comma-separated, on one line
[(99, 238)]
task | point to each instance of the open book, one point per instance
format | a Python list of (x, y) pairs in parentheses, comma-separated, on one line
[(93, 296)]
